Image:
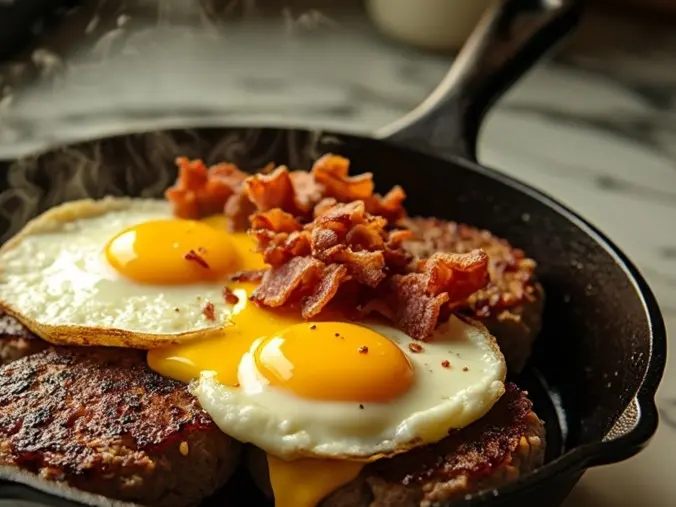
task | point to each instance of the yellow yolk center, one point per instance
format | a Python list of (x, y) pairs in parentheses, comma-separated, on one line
[(305, 482), (173, 252), (335, 361)]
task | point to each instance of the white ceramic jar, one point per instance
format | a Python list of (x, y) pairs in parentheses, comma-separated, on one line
[(432, 24)]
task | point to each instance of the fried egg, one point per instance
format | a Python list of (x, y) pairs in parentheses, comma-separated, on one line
[(355, 391), (327, 396), (122, 272)]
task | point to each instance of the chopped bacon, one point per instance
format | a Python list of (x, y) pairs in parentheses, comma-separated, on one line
[(230, 297), (328, 237), (280, 283), (193, 256), (332, 172), (269, 191), (200, 191), (331, 279), (275, 220), (238, 209), (209, 311), (347, 244), (443, 279)]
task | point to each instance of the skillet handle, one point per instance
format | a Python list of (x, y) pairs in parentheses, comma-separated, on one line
[(509, 39)]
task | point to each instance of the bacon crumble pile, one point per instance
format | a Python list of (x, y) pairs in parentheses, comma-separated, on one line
[(328, 238)]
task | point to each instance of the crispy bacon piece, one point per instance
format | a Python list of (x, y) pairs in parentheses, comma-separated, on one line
[(269, 191), (238, 209), (275, 220), (344, 243), (200, 191), (331, 279), (332, 172), (416, 299), (280, 283)]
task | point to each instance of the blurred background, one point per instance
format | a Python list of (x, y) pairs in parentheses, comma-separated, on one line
[(595, 126)]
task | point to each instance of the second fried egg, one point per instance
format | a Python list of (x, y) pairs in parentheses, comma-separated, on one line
[(358, 391)]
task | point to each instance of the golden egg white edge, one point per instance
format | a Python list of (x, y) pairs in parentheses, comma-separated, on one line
[(212, 394)]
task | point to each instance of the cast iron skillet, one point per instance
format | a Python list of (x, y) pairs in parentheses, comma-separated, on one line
[(602, 350)]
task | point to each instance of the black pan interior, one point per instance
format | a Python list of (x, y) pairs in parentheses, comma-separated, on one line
[(595, 347)]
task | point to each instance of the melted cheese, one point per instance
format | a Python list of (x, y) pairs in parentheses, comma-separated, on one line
[(305, 482)]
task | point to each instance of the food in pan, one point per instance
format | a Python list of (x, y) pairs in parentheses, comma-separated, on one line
[(309, 316), (361, 395), (101, 420), (511, 305), (505, 444)]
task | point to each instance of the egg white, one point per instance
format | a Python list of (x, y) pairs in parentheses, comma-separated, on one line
[(440, 399), (54, 275)]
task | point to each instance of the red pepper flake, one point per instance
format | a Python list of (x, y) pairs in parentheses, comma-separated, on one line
[(446, 363), (415, 347), (230, 297), (195, 257), (465, 368), (209, 311), (363, 349), (313, 327), (247, 276)]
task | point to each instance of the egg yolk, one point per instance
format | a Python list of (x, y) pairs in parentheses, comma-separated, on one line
[(335, 361), (173, 252), (305, 482), (222, 354)]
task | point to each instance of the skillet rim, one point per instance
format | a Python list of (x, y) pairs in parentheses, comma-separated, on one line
[(580, 457)]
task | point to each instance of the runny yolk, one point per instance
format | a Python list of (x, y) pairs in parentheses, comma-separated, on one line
[(222, 354), (305, 482), (335, 361), (171, 252)]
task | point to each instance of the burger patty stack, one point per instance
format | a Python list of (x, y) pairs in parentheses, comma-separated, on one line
[(296, 323)]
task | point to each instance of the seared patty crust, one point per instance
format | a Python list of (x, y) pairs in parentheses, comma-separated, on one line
[(16, 341), (511, 305), (507, 442), (100, 420)]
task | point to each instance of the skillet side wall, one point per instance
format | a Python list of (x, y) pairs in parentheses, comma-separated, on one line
[(594, 348)]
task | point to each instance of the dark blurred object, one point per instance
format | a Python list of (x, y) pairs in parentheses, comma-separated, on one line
[(20, 20), (654, 6)]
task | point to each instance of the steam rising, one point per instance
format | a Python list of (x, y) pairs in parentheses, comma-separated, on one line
[(140, 165)]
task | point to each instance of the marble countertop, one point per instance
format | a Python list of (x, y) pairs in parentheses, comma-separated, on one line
[(595, 129)]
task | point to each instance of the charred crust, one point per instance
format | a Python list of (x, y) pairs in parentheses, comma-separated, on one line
[(99, 420)]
